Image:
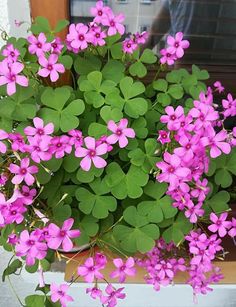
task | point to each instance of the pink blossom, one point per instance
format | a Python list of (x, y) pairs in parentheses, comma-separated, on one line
[(164, 269), (76, 138), (59, 293), (78, 36), (91, 154), (23, 172), (38, 45), (30, 246), (189, 147), (172, 171), (39, 128), (129, 46), (215, 142), (100, 260), (141, 38), (120, 132), (14, 213), (229, 105), (103, 140), (57, 46), (9, 75), (177, 44), (97, 36), (27, 195), (113, 295), (3, 136), (164, 137), (18, 143), (60, 145), (201, 190), (193, 212), (232, 232), (100, 11), (94, 292), (3, 179), (114, 23), (50, 67), (220, 224), (123, 269), (12, 239), (168, 56), (173, 117), (11, 53), (218, 86), (204, 114), (39, 148), (61, 236), (90, 270)]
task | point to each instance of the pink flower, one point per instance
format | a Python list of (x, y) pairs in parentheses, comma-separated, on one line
[(100, 260), (100, 11), (229, 105), (173, 117), (120, 132), (168, 56), (177, 44), (57, 46), (58, 293), (27, 195), (14, 213), (172, 171), (91, 154), (90, 270), (9, 74), (204, 114), (23, 172), (113, 295), (164, 137), (50, 67), (61, 236), (218, 86), (141, 38), (123, 269), (232, 232), (94, 292), (38, 45), (189, 147), (18, 143), (193, 212), (30, 246), (78, 36), (3, 136), (114, 23), (12, 239), (97, 36), (76, 138), (201, 190), (220, 224), (39, 148), (103, 140), (60, 145), (11, 53), (164, 269), (39, 128), (215, 142), (129, 46)]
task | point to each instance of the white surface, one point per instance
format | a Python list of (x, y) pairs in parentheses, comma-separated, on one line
[(11, 10)]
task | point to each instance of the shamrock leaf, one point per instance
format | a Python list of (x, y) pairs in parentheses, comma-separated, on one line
[(159, 206), (140, 236), (63, 117), (86, 177), (123, 185), (138, 68), (97, 203), (219, 202), (113, 70), (88, 63)]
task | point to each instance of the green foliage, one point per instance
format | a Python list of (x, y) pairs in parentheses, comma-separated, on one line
[(11, 268)]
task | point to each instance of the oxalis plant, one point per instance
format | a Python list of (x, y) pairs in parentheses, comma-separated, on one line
[(141, 173)]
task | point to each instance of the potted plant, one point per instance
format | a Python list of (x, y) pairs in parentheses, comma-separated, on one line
[(109, 161)]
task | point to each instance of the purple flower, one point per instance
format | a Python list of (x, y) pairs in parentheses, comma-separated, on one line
[(113, 295), (14, 212), (76, 138), (177, 44), (57, 46), (39, 128), (91, 154), (141, 38), (60, 145), (120, 132), (3, 136), (12, 239), (27, 195), (164, 269), (11, 53), (172, 171), (50, 67), (78, 36), (229, 105), (123, 269), (18, 143), (90, 270), (204, 114), (38, 148), (94, 292), (23, 172), (9, 74), (129, 46), (163, 137), (38, 45), (220, 224), (189, 147), (61, 236), (218, 86), (100, 260), (58, 293), (30, 246), (114, 23), (173, 117), (193, 212), (232, 232)]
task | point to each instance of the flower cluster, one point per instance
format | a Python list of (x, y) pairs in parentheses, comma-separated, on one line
[(183, 169), (175, 49)]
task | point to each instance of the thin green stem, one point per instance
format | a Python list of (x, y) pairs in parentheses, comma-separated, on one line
[(14, 291)]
